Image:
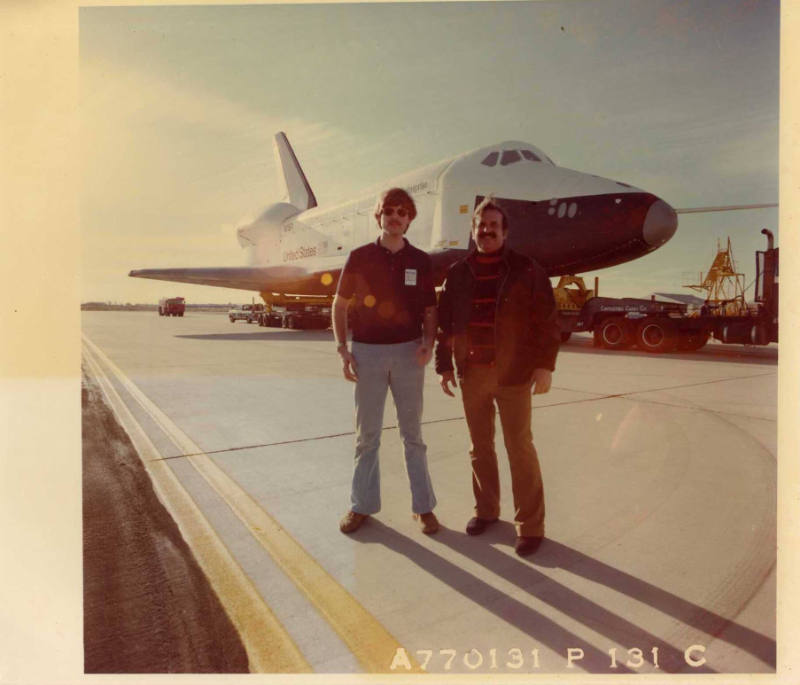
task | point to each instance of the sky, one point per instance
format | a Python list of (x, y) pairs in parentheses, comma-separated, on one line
[(179, 106)]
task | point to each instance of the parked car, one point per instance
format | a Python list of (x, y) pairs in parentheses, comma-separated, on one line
[(247, 312)]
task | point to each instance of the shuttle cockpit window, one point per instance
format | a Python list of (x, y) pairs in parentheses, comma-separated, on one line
[(509, 157), (490, 159), (527, 154)]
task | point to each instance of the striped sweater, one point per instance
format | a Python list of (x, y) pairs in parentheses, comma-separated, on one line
[(480, 334)]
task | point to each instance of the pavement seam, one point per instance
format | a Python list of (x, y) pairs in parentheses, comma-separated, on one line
[(595, 398), (368, 640), (269, 647)]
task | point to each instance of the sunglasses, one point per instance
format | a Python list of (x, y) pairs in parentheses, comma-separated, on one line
[(400, 211)]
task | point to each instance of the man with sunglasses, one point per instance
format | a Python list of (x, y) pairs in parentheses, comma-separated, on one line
[(497, 317), (388, 286)]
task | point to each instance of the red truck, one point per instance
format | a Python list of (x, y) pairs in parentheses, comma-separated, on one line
[(171, 306)]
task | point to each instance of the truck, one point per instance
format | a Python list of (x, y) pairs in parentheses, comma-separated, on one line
[(171, 306), (301, 312), (660, 326), (245, 312)]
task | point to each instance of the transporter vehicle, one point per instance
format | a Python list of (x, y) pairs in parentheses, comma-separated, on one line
[(246, 312), (297, 312), (171, 306), (658, 326)]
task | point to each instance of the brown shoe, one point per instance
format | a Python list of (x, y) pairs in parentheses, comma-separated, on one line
[(476, 525), (428, 522), (352, 521), (527, 544)]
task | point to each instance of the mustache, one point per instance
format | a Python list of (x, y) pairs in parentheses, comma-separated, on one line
[(487, 234)]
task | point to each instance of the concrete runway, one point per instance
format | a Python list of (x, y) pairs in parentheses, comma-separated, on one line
[(660, 484)]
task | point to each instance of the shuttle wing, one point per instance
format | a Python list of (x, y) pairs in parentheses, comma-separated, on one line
[(287, 279)]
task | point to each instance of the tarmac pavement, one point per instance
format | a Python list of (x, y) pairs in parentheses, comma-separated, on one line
[(660, 486)]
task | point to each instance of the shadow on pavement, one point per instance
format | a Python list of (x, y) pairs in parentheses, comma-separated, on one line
[(553, 554), (524, 575), (261, 334), (522, 616)]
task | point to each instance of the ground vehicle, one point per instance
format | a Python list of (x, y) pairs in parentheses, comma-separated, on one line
[(171, 306), (658, 326), (297, 312), (247, 312)]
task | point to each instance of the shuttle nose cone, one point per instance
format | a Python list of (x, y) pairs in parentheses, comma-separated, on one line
[(659, 224)]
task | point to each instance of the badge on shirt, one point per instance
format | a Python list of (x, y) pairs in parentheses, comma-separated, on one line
[(411, 276)]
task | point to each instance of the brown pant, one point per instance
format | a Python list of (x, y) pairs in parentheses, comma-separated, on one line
[(480, 392)]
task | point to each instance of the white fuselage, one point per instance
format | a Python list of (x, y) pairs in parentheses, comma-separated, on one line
[(445, 195)]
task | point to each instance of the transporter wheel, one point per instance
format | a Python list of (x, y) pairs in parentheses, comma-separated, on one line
[(180, 313), (160, 313), (656, 335), (689, 342), (232, 319), (758, 335), (614, 333)]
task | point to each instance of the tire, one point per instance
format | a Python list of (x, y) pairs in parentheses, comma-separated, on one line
[(232, 319), (656, 335), (758, 335), (614, 334), (691, 342), (565, 335)]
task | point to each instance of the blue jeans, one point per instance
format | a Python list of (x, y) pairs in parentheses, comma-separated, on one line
[(380, 368)]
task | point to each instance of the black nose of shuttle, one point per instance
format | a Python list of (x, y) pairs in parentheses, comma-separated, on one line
[(660, 224)]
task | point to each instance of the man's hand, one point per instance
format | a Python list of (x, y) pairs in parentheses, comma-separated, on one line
[(445, 379), (542, 378), (424, 354), (348, 365)]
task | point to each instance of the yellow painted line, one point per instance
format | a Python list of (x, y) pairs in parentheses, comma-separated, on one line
[(368, 640), (269, 647)]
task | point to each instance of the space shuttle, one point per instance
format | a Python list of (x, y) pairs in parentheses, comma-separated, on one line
[(568, 221)]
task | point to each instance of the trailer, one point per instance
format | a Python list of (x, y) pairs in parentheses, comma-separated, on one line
[(296, 312), (171, 306), (660, 326)]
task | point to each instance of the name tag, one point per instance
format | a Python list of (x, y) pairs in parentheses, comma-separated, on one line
[(411, 276)]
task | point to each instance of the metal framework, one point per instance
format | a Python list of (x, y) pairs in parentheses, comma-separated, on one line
[(723, 285)]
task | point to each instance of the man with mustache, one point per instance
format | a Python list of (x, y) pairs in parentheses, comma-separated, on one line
[(497, 317), (389, 285)]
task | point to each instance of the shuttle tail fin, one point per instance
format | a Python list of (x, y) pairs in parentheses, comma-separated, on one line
[(296, 189)]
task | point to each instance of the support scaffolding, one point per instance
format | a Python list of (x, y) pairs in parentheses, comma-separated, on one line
[(723, 286)]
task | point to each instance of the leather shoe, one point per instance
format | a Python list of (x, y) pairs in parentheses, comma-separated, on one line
[(527, 544), (476, 525), (352, 521), (427, 522)]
